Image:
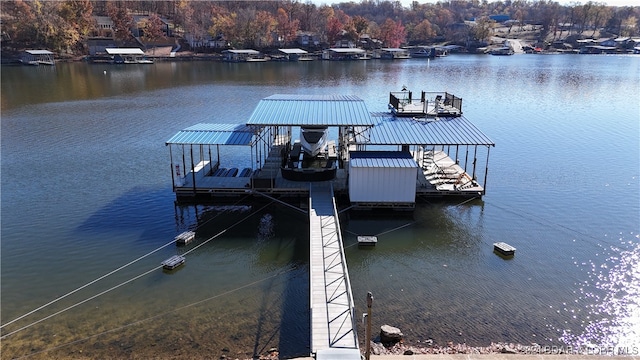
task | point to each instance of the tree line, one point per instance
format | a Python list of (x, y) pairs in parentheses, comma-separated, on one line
[(63, 26)]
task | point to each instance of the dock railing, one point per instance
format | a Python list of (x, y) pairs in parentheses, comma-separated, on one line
[(345, 270), (453, 101), (401, 100), (338, 311)]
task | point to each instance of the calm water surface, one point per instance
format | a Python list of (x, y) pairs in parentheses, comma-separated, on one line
[(86, 189)]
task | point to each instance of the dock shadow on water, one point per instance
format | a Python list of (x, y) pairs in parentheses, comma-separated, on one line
[(239, 295)]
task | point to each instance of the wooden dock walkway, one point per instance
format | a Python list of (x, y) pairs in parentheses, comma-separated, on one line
[(333, 326)]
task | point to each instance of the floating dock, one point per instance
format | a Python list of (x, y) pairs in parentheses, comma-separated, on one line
[(173, 262), (367, 240), (504, 249), (433, 154), (420, 149), (185, 237)]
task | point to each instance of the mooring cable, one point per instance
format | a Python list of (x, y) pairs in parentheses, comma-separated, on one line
[(80, 303), (130, 280), (103, 276), (397, 228), (85, 285), (162, 314)]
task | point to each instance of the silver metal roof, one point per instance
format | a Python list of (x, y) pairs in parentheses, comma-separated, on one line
[(444, 131), (214, 134), (309, 110), (348, 50), (293, 51), (124, 51), (381, 159), (39, 52), (244, 51)]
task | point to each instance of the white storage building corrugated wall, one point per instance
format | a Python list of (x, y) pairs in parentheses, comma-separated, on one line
[(382, 177)]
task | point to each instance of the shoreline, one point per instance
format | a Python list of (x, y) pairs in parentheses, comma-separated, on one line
[(497, 350)]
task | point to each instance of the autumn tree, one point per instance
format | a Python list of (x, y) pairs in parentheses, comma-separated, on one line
[(184, 14), (265, 25), (334, 29), (122, 21), (483, 28), (79, 15), (286, 27), (423, 32), (18, 22), (223, 23), (201, 14), (360, 24), (48, 28), (152, 28), (392, 33)]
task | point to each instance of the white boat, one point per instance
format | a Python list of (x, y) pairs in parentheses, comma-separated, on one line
[(313, 139)]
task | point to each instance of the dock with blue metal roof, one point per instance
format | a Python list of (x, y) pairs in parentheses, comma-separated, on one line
[(378, 160), (447, 149)]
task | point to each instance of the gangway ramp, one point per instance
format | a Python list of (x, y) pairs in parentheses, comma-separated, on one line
[(333, 326)]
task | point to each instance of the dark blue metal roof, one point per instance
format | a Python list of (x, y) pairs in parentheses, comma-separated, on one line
[(311, 110), (390, 130), (214, 134)]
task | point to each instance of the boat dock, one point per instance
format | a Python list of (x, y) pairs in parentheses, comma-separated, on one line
[(378, 160), (433, 155), (333, 323)]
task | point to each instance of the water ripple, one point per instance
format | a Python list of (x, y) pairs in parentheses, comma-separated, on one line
[(612, 321)]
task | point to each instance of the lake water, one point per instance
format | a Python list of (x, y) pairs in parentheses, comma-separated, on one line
[(86, 189)]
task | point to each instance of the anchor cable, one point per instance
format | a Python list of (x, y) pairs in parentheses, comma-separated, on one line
[(105, 275), (130, 280), (162, 314), (85, 285)]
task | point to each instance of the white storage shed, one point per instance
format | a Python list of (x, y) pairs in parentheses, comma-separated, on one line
[(382, 177)]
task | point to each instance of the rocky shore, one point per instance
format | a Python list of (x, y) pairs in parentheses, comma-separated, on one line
[(400, 348), (391, 342), (429, 348)]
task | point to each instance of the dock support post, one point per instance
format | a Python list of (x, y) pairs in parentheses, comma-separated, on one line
[(368, 331), (486, 170)]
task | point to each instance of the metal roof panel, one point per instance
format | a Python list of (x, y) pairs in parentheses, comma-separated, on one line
[(308, 110), (442, 131), (214, 134), (381, 159)]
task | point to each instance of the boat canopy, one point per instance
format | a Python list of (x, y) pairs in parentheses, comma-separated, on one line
[(311, 110), (243, 51), (124, 51), (408, 131), (215, 134), (293, 51), (38, 52)]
